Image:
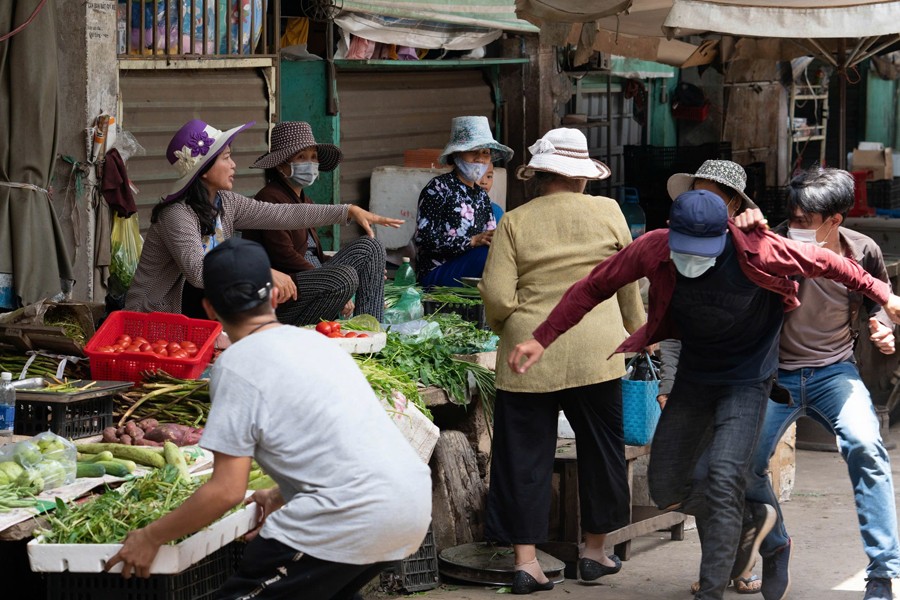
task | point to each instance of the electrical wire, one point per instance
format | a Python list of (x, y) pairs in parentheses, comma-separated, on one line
[(27, 22)]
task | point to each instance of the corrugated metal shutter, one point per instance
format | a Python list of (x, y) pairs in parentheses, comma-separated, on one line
[(155, 104), (384, 113)]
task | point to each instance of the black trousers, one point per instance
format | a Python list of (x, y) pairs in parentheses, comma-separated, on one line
[(271, 570), (525, 432)]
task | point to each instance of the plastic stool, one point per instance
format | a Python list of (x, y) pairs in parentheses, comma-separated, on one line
[(860, 199)]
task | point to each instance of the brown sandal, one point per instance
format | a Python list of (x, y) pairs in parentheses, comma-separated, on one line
[(742, 585)]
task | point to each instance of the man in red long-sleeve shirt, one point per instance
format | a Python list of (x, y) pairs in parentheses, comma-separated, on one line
[(723, 293)]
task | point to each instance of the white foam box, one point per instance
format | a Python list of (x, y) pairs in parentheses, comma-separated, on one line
[(171, 559), (373, 342)]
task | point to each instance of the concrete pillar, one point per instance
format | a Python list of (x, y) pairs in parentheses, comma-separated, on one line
[(88, 80)]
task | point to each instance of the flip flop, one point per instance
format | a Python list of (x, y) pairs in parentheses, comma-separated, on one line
[(747, 585)]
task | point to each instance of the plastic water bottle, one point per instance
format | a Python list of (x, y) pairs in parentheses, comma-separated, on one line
[(7, 404), (634, 214), (405, 276)]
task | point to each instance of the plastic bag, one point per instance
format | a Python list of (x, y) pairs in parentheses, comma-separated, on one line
[(43, 462), (125, 249), (408, 308)]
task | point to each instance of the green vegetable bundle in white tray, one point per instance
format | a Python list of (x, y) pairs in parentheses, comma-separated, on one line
[(171, 559)]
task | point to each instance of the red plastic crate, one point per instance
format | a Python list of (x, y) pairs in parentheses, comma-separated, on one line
[(128, 366)]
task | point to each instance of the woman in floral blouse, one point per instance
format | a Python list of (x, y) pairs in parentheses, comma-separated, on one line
[(455, 223)]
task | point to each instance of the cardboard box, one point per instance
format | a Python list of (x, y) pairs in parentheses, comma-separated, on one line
[(878, 163)]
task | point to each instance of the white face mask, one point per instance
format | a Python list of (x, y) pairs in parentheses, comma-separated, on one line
[(690, 265), (807, 236), (304, 173)]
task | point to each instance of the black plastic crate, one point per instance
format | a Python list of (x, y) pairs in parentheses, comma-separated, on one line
[(197, 582), (647, 165), (417, 572), (884, 193), (71, 420), (469, 312), (773, 204)]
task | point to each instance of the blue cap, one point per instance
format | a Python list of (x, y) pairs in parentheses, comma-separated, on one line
[(698, 222)]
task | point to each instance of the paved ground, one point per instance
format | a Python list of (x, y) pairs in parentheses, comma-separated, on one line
[(828, 562)]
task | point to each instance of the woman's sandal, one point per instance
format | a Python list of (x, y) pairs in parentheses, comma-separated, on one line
[(742, 585)]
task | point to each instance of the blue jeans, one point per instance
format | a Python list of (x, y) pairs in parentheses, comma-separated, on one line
[(449, 274), (722, 421), (836, 397)]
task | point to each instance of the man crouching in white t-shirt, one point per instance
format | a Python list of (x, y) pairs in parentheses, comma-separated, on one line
[(352, 493)]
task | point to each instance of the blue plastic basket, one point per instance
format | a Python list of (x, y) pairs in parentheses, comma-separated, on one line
[(640, 410)]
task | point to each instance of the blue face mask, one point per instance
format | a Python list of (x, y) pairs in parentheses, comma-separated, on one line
[(304, 173), (470, 171)]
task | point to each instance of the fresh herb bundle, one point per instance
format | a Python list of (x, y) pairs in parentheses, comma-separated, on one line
[(467, 296), (461, 335), (109, 517), (433, 363), (385, 379)]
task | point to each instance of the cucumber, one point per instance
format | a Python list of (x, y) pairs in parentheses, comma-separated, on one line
[(89, 469), (116, 469), (148, 456), (89, 458), (175, 457), (129, 464)]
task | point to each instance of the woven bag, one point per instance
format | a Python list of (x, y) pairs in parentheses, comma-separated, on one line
[(640, 410)]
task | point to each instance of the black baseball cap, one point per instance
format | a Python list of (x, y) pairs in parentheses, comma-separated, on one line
[(237, 276), (698, 223)]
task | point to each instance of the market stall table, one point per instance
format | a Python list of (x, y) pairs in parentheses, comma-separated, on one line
[(644, 519)]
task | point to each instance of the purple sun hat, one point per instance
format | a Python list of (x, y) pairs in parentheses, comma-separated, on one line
[(194, 146)]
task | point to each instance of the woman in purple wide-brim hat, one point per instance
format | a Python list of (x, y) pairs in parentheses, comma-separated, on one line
[(201, 212), (349, 283)]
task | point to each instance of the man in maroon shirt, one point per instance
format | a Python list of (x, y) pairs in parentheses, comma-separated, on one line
[(723, 293)]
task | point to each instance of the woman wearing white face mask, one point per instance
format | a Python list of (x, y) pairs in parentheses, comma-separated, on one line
[(455, 222), (325, 288)]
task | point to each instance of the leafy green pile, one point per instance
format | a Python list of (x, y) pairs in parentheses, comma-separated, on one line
[(461, 335), (466, 296), (432, 363), (385, 379), (110, 516)]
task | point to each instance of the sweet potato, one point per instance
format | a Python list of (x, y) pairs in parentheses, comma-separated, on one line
[(125, 439), (148, 424), (145, 442), (180, 435), (131, 429), (109, 435)]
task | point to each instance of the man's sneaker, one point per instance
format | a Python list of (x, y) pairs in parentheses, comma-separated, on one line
[(878, 588), (758, 522), (776, 573)]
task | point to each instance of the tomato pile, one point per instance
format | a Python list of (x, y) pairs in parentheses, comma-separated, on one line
[(126, 343), (333, 330)]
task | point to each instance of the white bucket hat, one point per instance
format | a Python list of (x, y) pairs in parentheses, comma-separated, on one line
[(474, 133), (563, 151)]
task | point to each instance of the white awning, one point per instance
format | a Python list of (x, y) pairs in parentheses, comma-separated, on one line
[(822, 19), (483, 14)]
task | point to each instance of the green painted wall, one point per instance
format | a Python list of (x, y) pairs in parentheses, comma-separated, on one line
[(662, 124), (303, 95), (882, 111)]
